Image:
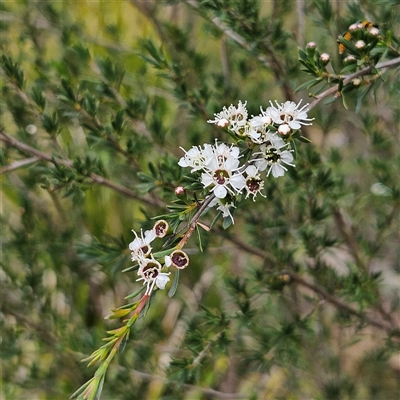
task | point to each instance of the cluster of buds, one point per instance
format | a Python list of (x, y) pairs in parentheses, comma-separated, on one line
[(359, 39), (218, 166), (150, 266)]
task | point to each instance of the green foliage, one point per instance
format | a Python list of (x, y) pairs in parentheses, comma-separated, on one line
[(297, 299)]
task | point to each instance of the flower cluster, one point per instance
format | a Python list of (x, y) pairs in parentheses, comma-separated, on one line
[(284, 118), (218, 166), (150, 269)]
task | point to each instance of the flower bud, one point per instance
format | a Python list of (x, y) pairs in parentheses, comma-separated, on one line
[(324, 58), (31, 129), (350, 59), (223, 123), (284, 129), (179, 190), (374, 31), (161, 228), (353, 27), (310, 48), (360, 44), (356, 82)]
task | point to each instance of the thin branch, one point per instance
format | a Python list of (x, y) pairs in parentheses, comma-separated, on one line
[(395, 331), (69, 163), (18, 164), (346, 79)]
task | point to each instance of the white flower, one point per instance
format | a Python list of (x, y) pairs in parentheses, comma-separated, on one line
[(222, 154), (254, 183), (223, 207), (140, 247), (274, 157), (259, 127), (236, 116), (195, 157), (150, 273), (288, 113), (221, 171)]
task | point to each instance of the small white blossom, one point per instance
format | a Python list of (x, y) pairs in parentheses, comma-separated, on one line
[(289, 113), (259, 127), (273, 157), (195, 157), (140, 247), (221, 171), (236, 116), (150, 273), (223, 207), (254, 183)]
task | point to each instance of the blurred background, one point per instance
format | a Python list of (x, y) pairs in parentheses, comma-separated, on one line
[(113, 88)]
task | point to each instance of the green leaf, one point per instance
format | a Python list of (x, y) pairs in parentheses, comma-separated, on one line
[(134, 294), (308, 84), (81, 389), (199, 238), (174, 284), (227, 222)]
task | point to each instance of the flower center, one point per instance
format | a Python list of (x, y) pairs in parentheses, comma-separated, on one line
[(253, 184), (151, 271), (271, 155), (220, 176)]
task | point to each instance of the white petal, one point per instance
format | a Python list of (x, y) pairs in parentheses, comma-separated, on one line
[(206, 179), (278, 170), (162, 280), (220, 191), (286, 157)]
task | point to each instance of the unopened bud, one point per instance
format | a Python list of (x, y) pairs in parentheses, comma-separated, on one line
[(223, 123), (161, 228), (284, 129), (179, 190), (360, 44), (356, 82), (310, 48), (353, 27), (350, 60), (324, 58), (31, 129), (374, 31)]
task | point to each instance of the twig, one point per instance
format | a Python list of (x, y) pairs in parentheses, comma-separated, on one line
[(195, 218), (348, 78), (317, 289), (18, 164), (69, 163)]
